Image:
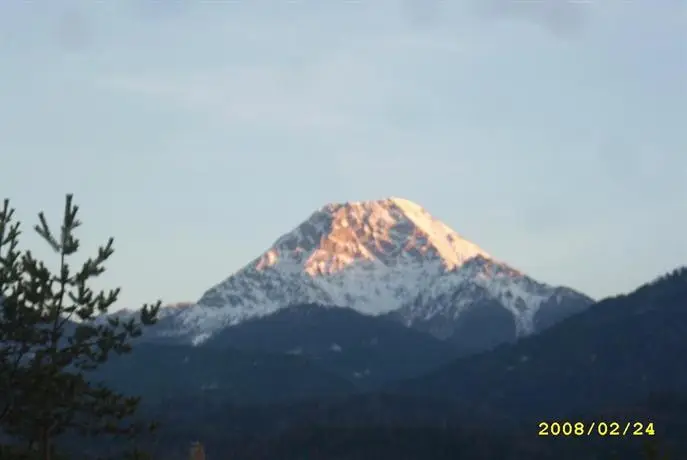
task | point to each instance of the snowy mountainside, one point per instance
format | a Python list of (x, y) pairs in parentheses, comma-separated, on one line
[(485, 303), (373, 256), (453, 291)]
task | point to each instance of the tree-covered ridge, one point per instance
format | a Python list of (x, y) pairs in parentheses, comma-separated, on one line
[(619, 350)]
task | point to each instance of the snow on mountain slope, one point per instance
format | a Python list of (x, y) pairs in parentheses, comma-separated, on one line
[(452, 292), (373, 256)]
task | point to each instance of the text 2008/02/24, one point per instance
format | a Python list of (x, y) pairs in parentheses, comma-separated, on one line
[(606, 428)]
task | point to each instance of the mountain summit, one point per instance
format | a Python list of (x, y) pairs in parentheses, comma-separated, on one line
[(387, 233), (386, 256)]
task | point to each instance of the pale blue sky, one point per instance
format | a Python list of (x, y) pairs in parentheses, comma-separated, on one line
[(549, 133)]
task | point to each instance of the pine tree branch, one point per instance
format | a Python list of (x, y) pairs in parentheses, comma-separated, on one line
[(48, 393)]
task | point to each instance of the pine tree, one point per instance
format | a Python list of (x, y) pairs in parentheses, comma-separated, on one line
[(50, 341)]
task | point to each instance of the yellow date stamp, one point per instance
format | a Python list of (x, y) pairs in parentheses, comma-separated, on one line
[(595, 428)]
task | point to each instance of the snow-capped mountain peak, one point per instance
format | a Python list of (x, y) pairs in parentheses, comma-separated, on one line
[(386, 232), (373, 256)]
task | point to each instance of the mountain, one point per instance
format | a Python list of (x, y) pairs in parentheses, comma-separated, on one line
[(385, 257), (486, 303), (367, 350), (619, 360), (162, 373), (619, 351)]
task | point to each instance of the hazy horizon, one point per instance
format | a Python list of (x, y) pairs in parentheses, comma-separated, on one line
[(549, 134)]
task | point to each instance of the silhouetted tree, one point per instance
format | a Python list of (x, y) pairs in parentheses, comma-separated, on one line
[(51, 338)]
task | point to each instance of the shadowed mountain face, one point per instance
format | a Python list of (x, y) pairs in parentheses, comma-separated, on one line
[(482, 323), (481, 326), (366, 350)]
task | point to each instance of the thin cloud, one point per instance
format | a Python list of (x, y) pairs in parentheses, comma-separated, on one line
[(560, 17), (332, 92), (423, 14), (239, 96)]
